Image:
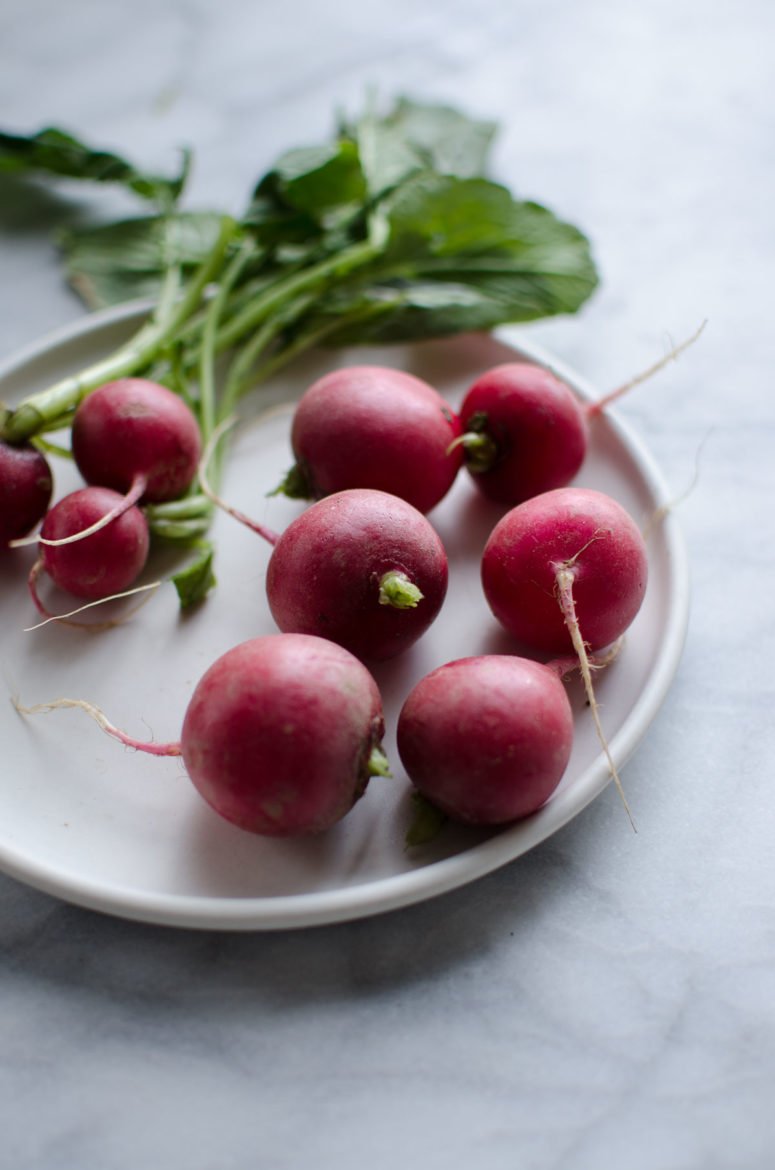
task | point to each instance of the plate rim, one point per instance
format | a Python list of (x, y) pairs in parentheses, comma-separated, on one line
[(381, 895)]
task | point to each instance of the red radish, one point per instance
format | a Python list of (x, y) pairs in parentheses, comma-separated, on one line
[(138, 438), (572, 549), (525, 432), (25, 490), (360, 567), (134, 430), (487, 739), (280, 737), (100, 565), (374, 427)]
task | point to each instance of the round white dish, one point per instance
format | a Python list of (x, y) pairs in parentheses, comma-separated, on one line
[(89, 821)]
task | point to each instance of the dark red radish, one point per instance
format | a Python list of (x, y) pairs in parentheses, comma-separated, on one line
[(100, 565), (525, 432), (134, 429), (565, 561), (26, 485), (280, 737), (361, 567), (487, 739), (374, 427)]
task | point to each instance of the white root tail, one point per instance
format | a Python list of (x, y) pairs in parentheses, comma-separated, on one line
[(567, 603), (99, 717), (63, 618), (675, 352)]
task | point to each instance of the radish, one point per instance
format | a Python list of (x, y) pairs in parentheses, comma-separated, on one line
[(25, 490), (487, 739), (100, 565), (567, 570), (136, 433), (137, 438), (524, 430), (374, 427), (361, 567), (280, 737), (566, 561)]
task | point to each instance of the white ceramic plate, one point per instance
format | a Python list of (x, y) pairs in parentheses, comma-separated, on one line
[(101, 826)]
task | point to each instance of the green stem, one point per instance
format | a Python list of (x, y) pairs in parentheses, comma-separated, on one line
[(301, 342), (39, 410), (481, 451), (241, 376), (378, 764), (306, 280), (189, 508), (396, 589), (209, 414)]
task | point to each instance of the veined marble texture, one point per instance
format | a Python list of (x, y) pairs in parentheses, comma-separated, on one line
[(609, 999)]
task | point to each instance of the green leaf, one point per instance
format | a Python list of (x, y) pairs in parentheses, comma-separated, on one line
[(195, 581), (115, 262), (416, 137), (486, 261), (53, 151), (426, 824), (316, 179)]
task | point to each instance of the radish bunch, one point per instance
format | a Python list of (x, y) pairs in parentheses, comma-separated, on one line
[(133, 441), (282, 733)]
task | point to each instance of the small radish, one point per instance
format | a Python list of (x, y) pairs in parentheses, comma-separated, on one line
[(25, 490), (97, 566), (280, 737), (487, 739), (137, 438), (525, 432), (566, 561), (134, 431), (374, 427)]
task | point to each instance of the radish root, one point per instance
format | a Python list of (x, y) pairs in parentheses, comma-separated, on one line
[(99, 717), (63, 617), (267, 533), (675, 352), (564, 578)]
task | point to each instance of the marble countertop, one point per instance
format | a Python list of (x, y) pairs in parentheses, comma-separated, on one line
[(609, 998)]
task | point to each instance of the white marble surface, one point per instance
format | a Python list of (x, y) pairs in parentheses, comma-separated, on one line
[(608, 1000)]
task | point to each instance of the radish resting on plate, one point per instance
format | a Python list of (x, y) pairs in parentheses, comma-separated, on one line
[(280, 737)]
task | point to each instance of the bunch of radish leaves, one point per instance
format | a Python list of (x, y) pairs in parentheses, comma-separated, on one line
[(390, 232)]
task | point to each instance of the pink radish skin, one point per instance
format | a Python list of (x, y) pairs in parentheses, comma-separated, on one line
[(376, 427), (326, 569), (136, 431), (487, 739), (279, 732), (100, 565), (527, 433), (25, 490), (595, 546)]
